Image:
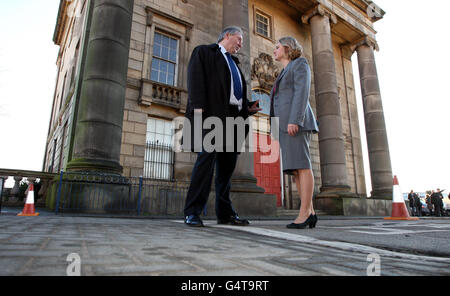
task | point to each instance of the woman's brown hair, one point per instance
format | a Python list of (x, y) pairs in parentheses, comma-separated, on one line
[(294, 49)]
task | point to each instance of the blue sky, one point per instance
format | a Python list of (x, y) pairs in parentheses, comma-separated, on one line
[(412, 67)]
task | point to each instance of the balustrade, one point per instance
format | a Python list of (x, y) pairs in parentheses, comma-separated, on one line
[(162, 94), (11, 196)]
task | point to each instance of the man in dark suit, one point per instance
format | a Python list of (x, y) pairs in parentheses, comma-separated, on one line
[(437, 200), (417, 204), (216, 89), (411, 203)]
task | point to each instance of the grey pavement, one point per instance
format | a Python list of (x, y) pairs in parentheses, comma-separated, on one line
[(341, 246)]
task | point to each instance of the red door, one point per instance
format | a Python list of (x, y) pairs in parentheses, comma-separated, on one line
[(267, 173)]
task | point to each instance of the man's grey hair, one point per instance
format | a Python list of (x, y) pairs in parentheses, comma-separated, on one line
[(229, 30)]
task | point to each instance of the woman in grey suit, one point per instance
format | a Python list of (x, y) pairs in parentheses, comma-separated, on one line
[(290, 103)]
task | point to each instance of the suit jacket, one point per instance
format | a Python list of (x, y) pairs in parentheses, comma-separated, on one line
[(209, 88), (291, 97)]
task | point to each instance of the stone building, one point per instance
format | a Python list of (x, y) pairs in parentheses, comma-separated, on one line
[(121, 82)]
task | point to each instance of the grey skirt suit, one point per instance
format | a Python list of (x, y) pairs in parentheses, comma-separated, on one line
[(290, 101)]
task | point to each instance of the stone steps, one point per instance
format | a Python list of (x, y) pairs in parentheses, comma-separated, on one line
[(286, 213)]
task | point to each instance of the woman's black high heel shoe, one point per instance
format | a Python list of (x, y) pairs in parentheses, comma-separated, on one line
[(313, 221), (309, 222)]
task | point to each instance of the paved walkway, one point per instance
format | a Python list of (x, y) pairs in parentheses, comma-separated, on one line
[(110, 246)]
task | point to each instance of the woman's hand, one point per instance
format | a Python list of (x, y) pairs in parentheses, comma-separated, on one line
[(292, 129)]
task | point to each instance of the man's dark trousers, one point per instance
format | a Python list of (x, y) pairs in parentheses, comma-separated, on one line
[(437, 209), (201, 180), (202, 174)]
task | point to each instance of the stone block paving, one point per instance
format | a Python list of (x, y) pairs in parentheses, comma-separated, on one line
[(107, 246)]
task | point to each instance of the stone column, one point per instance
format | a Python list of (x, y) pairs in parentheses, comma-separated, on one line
[(248, 198), (331, 141), (377, 142), (98, 133), (235, 13)]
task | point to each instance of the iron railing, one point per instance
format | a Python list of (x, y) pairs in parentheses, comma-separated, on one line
[(99, 194), (159, 161)]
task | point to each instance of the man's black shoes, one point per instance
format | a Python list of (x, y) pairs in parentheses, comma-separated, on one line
[(193, 220), (234, 220)]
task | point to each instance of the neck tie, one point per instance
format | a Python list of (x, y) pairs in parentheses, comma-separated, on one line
[(236, 80)]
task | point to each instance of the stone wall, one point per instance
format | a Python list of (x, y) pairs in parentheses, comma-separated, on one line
[(206, 17), (68, 62), (194, 22)]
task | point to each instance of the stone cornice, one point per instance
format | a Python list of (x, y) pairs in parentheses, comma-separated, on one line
[(342, 11), (366, 5), (347, 13), (366, 40), (60, 22), (319, 10), (151, 11)]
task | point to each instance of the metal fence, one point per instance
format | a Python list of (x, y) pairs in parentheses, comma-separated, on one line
[(113, 194)]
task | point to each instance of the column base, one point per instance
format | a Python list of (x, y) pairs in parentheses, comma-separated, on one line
[(245, 184), (382, 194), (353, 206), (249, 199), (92, 194), (336, 191), (94, 165)]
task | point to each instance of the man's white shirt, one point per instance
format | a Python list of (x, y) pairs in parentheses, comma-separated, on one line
[(233, 99)]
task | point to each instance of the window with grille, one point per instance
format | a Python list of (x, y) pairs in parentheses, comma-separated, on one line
[(159, 154), (165, 58), (262, 24)]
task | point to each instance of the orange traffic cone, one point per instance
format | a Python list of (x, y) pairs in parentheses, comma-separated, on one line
[(28, 209), (399, 210)]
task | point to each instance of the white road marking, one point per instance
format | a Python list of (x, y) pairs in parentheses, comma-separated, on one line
[(382, 229), (332, 271), (351, 247)]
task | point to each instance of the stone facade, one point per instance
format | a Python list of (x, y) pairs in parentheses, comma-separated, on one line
[(195, 22), (68, 35)]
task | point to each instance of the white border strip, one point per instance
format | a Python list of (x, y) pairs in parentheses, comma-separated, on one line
[(351, 247)]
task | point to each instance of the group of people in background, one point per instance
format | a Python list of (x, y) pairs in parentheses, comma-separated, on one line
[(434, 203)]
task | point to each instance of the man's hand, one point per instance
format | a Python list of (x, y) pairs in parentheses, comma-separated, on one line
[(254, 108), (292, 129)]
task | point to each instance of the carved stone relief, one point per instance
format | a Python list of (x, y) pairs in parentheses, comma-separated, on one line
[(264, 71)]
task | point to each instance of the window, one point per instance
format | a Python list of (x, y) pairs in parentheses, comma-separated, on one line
[(53, 152), (63, 144), (74, 65), (159, 131), (165, 57), (159, 154), (263, 24), (264, 100), (63, 92)]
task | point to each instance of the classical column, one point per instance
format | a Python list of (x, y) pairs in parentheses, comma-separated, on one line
[(377, 142), (248, 198), (98, 132), (235, 13), (331, 140)]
